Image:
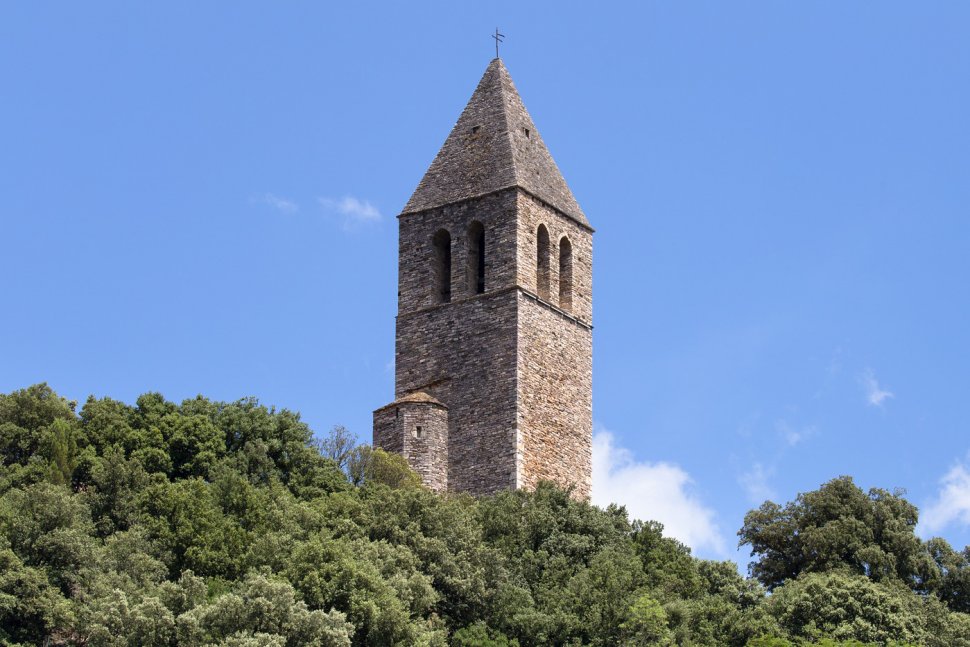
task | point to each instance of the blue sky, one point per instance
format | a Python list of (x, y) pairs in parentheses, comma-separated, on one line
[(201, 198)]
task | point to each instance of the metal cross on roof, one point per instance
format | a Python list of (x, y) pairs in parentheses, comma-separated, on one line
[(498, 39)]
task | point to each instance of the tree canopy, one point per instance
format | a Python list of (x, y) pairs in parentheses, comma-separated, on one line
[(211, 523)]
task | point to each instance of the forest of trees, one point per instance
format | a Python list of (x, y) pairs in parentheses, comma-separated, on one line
[(211, 523)]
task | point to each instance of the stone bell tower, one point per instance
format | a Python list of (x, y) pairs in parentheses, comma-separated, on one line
[(494, 327)]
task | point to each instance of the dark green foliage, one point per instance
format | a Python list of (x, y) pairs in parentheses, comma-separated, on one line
[(27, 428), (837, 526), (951, 577), (61, 451), (50, 530), (479, 635), (571, 571), (208, 523), (847, 607), (30, 607)]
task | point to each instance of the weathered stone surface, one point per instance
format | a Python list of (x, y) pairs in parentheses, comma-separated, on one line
[(554, 355), (502, 376), (494, 145), (416, 426)]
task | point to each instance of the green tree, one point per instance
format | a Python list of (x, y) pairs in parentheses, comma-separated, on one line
[(31, 609), (646, 623), (108, 423), (49, 529), (953, 568), (26, 419), (836, 526), (571, 572), (117, 621), (479, 635), (112, 492), (376, 584), (262, 610), (844, 606), (366, 464), (194, 443), (184, 520), (61, 451), (670, 569), (34, 408), (213, 523), (338, 445)]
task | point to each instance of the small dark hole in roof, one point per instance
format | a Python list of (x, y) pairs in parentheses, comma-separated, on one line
[(527, 133), (475, 129)]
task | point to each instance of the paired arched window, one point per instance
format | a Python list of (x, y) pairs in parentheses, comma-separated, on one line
[(565, 274), (475, 262), (542, 262), (442, 265), (476, 258)]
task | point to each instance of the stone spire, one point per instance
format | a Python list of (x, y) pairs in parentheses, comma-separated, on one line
[(494, 146)]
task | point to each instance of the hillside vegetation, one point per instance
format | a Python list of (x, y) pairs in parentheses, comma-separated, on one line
[(211, 523)]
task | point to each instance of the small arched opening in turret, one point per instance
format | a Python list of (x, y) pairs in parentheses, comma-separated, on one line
[(565, 274), (476, 258), (542, 262), (442, 265)]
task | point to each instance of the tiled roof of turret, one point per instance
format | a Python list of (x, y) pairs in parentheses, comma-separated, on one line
[(418, 396), (494, 146)]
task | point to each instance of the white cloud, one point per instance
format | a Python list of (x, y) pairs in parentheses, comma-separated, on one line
[(952, 504), (354, 212), (793, 435), (755, 483), (280, 204), (653, 491), (875, 394)]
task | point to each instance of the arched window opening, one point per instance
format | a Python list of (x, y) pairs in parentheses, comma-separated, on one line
[(442, 265), (542, 262), (476, 258), (565, 274)]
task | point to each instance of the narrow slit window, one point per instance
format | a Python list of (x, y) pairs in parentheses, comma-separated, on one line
[(565, 274), (442, 265), (542, 262), (476, 258)]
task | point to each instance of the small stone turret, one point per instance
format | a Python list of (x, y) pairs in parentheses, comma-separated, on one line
[(416, 426)]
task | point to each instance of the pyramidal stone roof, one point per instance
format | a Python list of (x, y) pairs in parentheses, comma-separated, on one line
[(494, 146)]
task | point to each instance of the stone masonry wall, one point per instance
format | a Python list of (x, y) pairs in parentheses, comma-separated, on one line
[(425, 430), (531, 213), (418, 431), (416, 254), (387, 436), (555, 370), (555, 416), (515, 372), (463, 353)]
